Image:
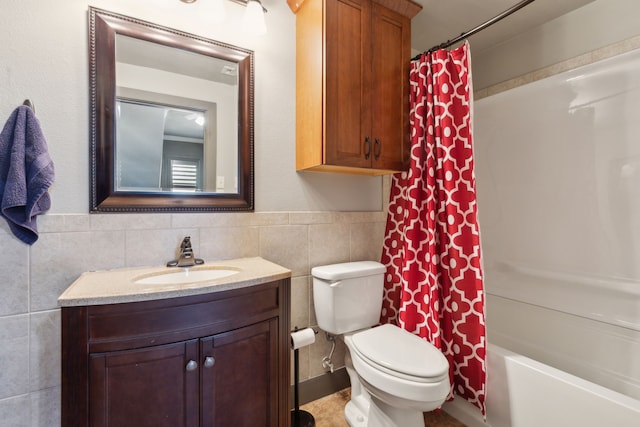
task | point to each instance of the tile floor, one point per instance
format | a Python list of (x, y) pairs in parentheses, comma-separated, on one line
[(329, 412)]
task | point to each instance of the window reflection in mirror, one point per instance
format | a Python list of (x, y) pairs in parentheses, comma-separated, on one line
[(160, 148)]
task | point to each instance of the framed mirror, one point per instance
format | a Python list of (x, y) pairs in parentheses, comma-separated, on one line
[(171, 119)]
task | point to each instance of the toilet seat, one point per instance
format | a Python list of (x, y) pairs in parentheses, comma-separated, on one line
[(400, 354), (391, 385)]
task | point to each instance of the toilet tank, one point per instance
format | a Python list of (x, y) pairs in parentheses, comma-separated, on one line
[(348, 296)]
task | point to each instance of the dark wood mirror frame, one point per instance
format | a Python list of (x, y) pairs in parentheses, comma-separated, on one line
[(104, 197)]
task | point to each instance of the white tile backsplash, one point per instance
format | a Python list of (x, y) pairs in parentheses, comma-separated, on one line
[(14, 363), (287, 245), (156, 247), (57, 259), (300, 302), (45, 407), (229, 242), (311, 217), (329, 243), (366, 241), (44, 350), (14, 275), (64, 223), (130, 222), (33, 278), (15, 411)]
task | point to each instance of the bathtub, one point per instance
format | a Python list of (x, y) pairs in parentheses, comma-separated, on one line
[(522, 392), (557, 167)]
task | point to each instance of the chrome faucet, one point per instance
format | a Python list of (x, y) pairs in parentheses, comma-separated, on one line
[(185, 256)]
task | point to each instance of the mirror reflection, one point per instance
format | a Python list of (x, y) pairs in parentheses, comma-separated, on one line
[(171, 119), (159, 147), (167, 119)]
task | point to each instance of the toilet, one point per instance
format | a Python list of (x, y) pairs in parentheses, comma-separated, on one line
[(395, 375)]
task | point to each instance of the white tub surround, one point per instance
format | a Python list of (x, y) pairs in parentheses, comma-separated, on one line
[(557, 164)]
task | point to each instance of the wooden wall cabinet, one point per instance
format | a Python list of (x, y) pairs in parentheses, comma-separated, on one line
[(352, 87), (218, 359)]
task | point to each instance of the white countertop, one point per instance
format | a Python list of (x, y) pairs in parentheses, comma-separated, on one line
[(118, 286)]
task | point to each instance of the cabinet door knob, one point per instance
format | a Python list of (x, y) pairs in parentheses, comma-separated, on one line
[(209, 361), (367, 148), (377, 149), (192, 365)]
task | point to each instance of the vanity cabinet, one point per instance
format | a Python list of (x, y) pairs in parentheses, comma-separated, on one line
[(352, 87), (218, 359), (147, 386)]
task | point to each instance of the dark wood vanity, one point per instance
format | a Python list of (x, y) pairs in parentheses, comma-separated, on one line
[(214, 359)]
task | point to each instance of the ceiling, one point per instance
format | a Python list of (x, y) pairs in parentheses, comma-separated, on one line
[(442, 20), (158, 56)]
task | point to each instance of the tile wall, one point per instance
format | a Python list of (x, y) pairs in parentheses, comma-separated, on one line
[(31, 279)]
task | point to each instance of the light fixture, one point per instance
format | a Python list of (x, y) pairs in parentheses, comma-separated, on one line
[(253, 21)]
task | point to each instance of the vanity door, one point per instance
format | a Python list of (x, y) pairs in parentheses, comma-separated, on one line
[(146, 387), (240, 377)]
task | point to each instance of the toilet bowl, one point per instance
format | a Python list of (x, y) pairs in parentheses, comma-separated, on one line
[(395, 375), (402, 374)]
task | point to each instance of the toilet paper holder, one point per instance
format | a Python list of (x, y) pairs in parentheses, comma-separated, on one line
[(299, 417), (302, 337)]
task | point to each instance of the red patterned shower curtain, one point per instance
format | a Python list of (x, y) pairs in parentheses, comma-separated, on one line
[(434, 282)]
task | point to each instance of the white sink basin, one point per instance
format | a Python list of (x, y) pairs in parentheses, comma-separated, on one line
[(186, 275)]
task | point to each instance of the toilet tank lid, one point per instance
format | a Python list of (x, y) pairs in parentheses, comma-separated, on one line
[(347, 270)]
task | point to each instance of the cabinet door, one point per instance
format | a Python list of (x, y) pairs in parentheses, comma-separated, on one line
[(147, 387), (240, 382), (390, 97), (348, 88)]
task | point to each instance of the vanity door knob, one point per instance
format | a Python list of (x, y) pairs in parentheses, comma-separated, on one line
[(192, 365), (209, 361)]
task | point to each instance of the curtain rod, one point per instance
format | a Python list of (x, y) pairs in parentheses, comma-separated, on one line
[(480, 27)]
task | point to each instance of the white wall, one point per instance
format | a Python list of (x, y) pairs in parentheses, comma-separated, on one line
[(591, 27), (45, 55)]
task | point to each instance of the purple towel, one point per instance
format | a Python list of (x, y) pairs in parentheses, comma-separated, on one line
[(26, 172)]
